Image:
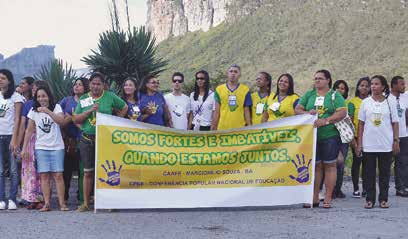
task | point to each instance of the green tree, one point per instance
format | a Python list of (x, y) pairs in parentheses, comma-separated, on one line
[(121, 54), (59, 76)]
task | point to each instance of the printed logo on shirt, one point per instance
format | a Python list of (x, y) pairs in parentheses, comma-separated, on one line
[(153, 106), (46, 125), (321, 110), (178, 111), (3, 108), (92, 119), (376, 119), (135, 113)]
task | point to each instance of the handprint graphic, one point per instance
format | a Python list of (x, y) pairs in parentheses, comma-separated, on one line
[(3, 110), (113, 175), (46, 125), (302, 169)]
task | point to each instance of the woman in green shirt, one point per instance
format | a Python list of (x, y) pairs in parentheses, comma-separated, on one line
[(318, 101)]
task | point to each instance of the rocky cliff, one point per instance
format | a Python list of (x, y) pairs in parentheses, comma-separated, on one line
[(28, 61), (167, 18)]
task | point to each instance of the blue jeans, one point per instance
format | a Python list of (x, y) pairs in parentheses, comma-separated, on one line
[(4, 150)]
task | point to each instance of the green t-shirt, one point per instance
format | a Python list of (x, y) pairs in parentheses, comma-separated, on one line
[(107, 102), (324, 111)]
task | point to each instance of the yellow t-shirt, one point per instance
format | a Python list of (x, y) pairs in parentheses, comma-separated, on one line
[(258, 105), (232, 103), (353, 107), (286, 106)]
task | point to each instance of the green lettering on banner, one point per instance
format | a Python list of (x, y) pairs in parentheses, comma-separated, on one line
[(133, 138), (149, 158)]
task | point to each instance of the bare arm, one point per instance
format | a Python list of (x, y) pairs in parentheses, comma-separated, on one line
[(360, 137), (247, 115), (190, 120), (216, 117), (395, 145), (167, 116), (122, 113), (29, 132), (21, 130), (58, 118), (299, 110), (81, 118), (265, 116), (14, 146)]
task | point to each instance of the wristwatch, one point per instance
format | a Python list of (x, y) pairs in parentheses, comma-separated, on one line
[(396, 140)]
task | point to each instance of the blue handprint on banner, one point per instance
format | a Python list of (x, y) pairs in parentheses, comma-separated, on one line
[(302, 169), (113, 175)]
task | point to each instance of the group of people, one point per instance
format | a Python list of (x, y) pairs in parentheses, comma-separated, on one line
[(53, 139)]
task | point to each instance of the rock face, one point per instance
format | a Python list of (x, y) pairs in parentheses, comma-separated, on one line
[(28, 61), (167, 18)]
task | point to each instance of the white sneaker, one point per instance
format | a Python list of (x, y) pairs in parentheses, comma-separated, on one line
[(12, 205), (2, 205)]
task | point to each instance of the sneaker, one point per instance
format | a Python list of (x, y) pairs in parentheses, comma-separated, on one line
[(356, 194), (12, 205), (321, 196), (2, 205), (402, 193), (83, 208)]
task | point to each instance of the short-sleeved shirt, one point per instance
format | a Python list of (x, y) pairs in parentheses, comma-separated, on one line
[(328, 108), (179, 107), (107, 103), (8, 111), (157, 102), (377, 117), (202, 111), (133, 112), (232, 104), (286, 106), (258, 104), (48, 133), (68, 105), (401, 108), (26, 108), (353, 108)]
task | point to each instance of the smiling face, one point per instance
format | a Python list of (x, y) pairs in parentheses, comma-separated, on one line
[(177, 83), (283, 84), (261, 81), (153, 85), (341, 89), (4, 81), (25, 87), (43, 98), (129, 88)]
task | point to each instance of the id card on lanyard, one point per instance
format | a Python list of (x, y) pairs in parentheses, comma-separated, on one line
[(232, 100), (319, 101)]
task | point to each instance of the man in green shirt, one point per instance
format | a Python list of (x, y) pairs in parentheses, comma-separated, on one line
[(97, 100)]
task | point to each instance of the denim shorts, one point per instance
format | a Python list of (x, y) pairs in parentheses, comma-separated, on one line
[(49, 161), (327, 150)]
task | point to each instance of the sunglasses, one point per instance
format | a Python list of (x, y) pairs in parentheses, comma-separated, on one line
[(178, 81), (200, 78)]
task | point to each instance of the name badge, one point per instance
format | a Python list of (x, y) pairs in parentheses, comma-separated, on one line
[(86, 102), (259, 108), (319, 101), (232, 100), (275, 106)]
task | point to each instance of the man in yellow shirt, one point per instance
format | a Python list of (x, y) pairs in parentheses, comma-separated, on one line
[(232, 103)]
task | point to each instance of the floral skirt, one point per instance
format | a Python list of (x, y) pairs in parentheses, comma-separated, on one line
[(30, 179)]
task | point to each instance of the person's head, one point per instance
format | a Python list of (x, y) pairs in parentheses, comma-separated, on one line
[(342, 87), (177, 79), (81, 86), (202, 81), (129, 88), (322, 79), (286, 84), (37, 84), (379, 85), (398, 84), (234, 72), (264, 79), (363, 87), (26, 85), (150, 84), (7, 84), (43, 98), (19, 90), (96, 83)]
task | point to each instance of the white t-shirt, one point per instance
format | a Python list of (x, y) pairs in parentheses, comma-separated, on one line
[(202, 112), (402, 105), (179, 107), (7, 112), (48, 133), (378, 134)]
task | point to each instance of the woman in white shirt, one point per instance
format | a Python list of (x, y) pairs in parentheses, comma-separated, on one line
[(45, 118), (378, 139), (202, 103)]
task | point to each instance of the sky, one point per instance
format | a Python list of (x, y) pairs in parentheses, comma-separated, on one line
[(72, 26)]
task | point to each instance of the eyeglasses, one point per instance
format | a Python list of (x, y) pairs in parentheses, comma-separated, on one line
[(200, 78), (154, 82), (319, 78), (178, 81)]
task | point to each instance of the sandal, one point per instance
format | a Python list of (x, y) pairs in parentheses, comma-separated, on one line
[(64, 208), (31, 206), (384, 204), (327, 205), (45, 208), (369, 205), (39, 205)]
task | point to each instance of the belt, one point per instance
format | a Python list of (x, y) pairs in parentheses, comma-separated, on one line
[(89, 137)]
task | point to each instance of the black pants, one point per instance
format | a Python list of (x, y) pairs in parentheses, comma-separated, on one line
[(71, 164), (401, 165), (355, 171), (384, 170)]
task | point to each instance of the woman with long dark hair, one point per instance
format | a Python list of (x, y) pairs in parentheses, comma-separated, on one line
[(11, 103), (45, 119), (260, 97), (202, 102), (130, 95), (319, 101), (362, 92), (26, 85), (378, 139), (283, 102)]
